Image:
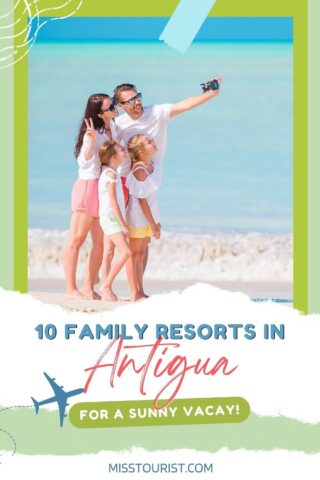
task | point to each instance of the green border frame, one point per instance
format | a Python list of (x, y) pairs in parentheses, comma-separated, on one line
[(305, 224), (313, 157)]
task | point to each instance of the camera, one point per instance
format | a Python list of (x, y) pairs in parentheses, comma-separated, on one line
[(211, 85)]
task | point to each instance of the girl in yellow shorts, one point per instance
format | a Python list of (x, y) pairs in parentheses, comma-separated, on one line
[(142, 215)]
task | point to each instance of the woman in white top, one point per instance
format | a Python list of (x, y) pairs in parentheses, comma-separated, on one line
[(143, 216), (112, 220), (94, 130)]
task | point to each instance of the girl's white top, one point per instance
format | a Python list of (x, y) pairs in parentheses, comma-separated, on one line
[(90, 169), (141, 189), (105, 208)]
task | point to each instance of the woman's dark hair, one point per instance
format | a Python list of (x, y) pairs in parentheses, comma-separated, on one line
[(92, 110)]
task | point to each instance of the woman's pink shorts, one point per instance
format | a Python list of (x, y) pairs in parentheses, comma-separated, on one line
[(85, 197)]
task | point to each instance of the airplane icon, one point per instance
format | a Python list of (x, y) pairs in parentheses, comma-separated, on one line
[(60, 396)]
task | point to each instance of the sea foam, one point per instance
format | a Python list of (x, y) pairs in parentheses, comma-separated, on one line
[(183, 256)]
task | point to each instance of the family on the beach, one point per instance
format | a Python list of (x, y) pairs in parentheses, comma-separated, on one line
[(120, 160)]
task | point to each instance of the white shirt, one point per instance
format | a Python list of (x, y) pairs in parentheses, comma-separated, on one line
[(105, 208), (141, 189), (90, 169), (153, 123)]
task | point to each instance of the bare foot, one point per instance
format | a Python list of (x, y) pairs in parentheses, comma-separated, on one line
[(108, 295), (136, 296), (74, 294), (90, 294), (144, 295)]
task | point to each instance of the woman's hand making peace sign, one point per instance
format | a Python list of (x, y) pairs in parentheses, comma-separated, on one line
[(91, 135), (91, 131)]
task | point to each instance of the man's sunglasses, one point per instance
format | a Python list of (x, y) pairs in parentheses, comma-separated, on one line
[(133, 99), (111, 108)]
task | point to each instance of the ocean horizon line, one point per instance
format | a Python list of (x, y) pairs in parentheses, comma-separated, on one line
[(155, 41)]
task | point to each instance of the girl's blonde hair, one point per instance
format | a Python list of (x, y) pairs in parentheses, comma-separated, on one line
[(134, 147), (107, 151)]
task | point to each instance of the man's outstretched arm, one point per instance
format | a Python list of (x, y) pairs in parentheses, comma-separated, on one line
[(192, 102)]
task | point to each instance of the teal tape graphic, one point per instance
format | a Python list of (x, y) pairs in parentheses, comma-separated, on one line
[(185, 23)]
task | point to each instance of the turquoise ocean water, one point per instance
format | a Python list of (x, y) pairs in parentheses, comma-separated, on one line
[(228, 165)]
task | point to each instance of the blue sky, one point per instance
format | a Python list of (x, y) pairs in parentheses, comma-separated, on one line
[(149, 28)]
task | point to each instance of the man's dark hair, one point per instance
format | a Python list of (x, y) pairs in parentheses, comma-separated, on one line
[(124, 87)]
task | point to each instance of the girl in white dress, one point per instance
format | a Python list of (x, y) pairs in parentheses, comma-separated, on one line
[(143, 216), (112, 220)]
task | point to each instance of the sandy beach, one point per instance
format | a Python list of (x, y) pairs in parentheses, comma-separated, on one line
[(257, 264), (52, 292)]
